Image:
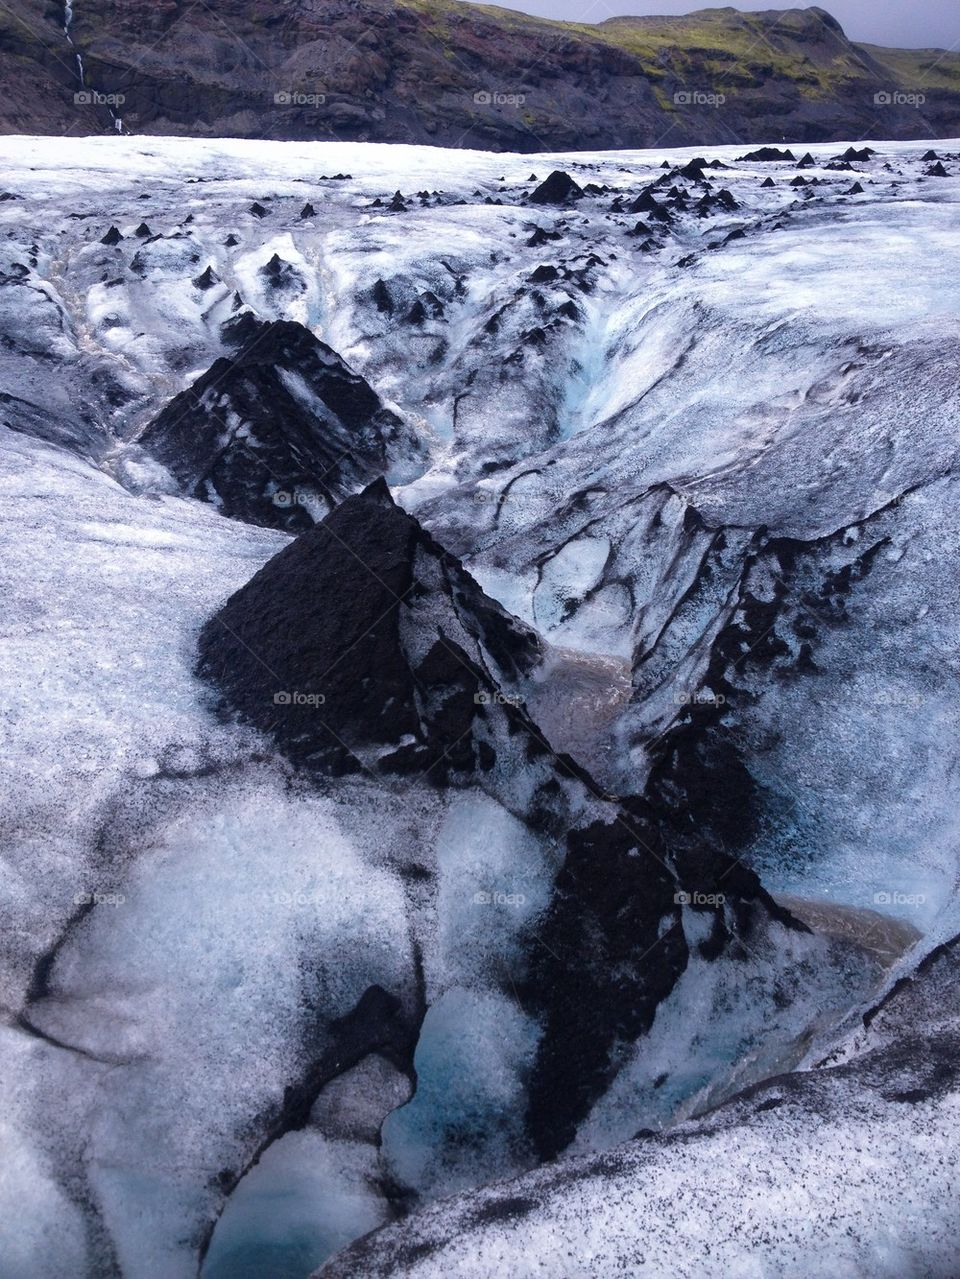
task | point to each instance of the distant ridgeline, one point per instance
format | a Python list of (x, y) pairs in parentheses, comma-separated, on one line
[(457, 75)]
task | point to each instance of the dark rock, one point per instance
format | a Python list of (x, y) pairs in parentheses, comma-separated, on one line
[(541, 237), (936, 171), (368, 613), (381, 298), (767, 155), (647, 203), (558, 188), (240, 438), (612, 899), (206, 280), (112, 237), (722, 200), (544, 274), (768, 182), (308, 211), (693, 170), (280, 274), (258, 210), (432, 304)]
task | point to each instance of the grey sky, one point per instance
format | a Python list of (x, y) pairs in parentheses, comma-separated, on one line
[(910, 24)]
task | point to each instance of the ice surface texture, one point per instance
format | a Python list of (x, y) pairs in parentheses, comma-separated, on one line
[(846, 1169), (685, 507)]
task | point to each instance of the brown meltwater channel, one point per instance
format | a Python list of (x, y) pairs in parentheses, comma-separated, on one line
[(884, 936)]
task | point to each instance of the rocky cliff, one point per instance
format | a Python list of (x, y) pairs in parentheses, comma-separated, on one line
[(459, 75)]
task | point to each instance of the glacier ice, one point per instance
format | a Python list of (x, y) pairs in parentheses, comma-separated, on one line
[(252, 1011)]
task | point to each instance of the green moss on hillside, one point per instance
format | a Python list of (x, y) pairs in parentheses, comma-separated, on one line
[(918, 69)]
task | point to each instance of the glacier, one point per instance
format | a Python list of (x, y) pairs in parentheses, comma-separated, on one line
[(682, 500)]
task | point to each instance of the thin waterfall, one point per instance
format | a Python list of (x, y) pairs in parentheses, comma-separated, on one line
[(67, 24)]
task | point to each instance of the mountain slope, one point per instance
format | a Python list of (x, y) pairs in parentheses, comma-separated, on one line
[(461, 75)]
